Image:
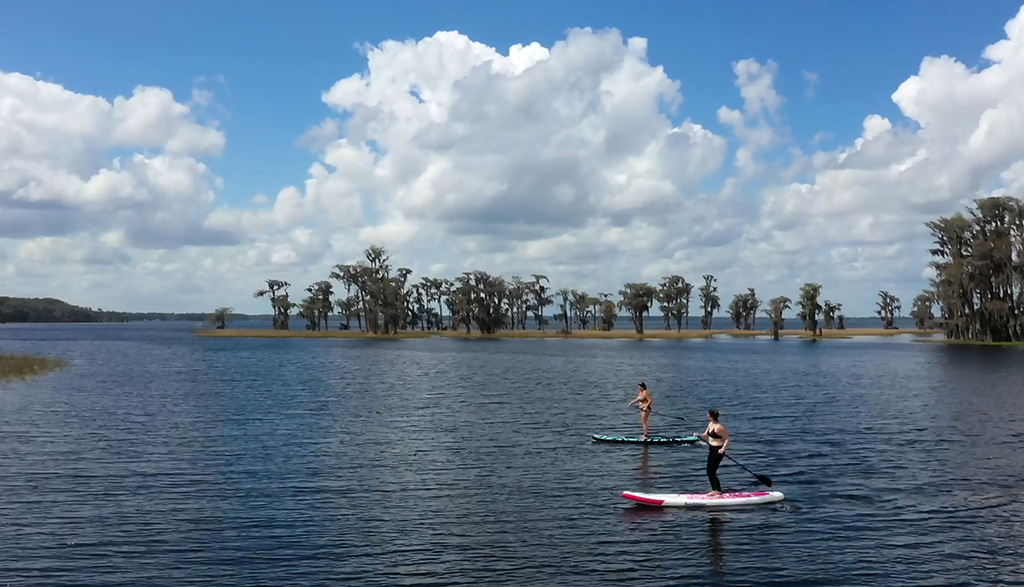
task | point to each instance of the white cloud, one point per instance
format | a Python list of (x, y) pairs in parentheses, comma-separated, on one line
[(894, 177), (318, 137), (152, 118), (757, 86), (756, 126), (59, 178), (39, 252), (576, 160)]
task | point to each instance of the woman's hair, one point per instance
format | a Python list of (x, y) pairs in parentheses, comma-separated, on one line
[(642, 385), (713, 414)]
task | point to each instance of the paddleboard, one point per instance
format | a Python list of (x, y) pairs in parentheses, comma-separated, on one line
[(735, 498), (642, 440)]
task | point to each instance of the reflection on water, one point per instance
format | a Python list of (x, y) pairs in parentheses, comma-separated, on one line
[(645, 467), (716, 552)]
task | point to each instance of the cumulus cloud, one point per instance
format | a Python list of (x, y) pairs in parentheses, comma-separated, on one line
[(318, 137), (59, 177), (757, 85), (961, 139), (757, 125), (540, 137), (576, 160)]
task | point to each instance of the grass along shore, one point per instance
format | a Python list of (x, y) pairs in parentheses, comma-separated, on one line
[(17, 367), (582, 334)]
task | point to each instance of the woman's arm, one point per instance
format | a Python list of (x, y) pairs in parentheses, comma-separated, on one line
[(725, 437)]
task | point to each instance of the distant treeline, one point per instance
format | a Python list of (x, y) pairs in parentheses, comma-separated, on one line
[(54, 310), (978, 259)]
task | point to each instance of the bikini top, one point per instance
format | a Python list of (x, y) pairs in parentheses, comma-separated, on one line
[(712, 434)]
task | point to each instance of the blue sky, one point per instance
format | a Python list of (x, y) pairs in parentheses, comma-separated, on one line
[(605, 189), (277, 58)]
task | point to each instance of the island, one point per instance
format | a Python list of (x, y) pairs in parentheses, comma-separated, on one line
[(978, 287)]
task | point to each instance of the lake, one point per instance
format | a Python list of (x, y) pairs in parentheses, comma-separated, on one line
[(163, 458)]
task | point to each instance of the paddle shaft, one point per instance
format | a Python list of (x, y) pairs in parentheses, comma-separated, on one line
[(763, 479)]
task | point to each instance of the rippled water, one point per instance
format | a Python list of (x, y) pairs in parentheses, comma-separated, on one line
[(159, 458)]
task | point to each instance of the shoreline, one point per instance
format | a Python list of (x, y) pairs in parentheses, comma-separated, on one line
[(1011, 343), (621, 334)]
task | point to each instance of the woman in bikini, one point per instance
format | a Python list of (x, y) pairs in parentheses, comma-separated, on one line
[(644, 399), (718, 439)]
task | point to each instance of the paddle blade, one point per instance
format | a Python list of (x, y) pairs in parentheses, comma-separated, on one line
[(765, 480)]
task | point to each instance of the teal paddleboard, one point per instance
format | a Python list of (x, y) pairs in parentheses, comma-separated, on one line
[(641, 440)]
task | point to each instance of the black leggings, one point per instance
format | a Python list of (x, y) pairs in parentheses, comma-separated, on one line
[(714, 459)]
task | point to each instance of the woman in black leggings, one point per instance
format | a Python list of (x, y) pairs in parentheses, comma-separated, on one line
[(718, 439)]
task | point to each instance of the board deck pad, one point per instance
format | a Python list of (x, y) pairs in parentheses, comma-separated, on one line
[(733, 498), (640, 439)]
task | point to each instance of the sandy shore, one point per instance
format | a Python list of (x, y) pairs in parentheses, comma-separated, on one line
[(582, 334)]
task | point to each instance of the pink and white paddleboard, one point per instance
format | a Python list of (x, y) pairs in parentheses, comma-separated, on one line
[(703, 500)]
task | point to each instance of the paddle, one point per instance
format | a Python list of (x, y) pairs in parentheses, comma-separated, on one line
[(764, 479), (668, 416)]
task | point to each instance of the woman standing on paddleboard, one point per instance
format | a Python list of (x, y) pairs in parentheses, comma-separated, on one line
[(643, 397), (718, 438)]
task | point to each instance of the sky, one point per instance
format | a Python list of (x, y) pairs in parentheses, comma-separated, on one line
[(172, 156)]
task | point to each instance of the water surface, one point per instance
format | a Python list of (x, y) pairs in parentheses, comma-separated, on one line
[(160, 458)]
